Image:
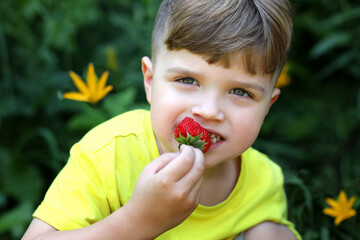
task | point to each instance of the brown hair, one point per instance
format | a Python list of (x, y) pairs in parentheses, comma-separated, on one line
[(259, 30)]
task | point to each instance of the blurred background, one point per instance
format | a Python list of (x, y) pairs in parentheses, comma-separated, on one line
[(312, 131)]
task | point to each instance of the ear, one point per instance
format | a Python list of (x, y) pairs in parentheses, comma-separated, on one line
[(147, 71), (274, 96)]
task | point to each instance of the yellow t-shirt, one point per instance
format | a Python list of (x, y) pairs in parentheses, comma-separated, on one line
[(103, 168)]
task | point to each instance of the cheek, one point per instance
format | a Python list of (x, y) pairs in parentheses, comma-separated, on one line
[(167, 100), (248, 127), (165, 110), (163, 129), (165, 105), (253, 129), (249, 131)]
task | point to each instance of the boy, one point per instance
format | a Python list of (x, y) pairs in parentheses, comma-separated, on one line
[(216, 62)]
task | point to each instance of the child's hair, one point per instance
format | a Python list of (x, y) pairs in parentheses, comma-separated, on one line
[(259, 30)]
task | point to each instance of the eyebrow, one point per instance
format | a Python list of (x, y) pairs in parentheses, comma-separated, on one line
[(184, 71), (250, 85)]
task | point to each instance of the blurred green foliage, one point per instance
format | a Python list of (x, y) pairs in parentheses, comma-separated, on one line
[(40, 41), (312, 131)]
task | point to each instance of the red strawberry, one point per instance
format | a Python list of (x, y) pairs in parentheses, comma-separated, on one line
[(191, 133)]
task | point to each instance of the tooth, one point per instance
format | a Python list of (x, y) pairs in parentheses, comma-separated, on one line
[(218, 138)]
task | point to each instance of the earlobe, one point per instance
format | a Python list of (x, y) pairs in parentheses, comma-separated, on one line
[(147, 71)]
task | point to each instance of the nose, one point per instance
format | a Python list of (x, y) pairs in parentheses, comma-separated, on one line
[(209, 109)]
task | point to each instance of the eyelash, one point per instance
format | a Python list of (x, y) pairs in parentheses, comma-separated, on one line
[(232, 91), (244, 93), (183, 81)]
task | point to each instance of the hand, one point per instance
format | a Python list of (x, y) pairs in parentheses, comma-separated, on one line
[(167, 190)]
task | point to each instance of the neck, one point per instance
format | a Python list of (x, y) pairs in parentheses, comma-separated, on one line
[(219, 182)]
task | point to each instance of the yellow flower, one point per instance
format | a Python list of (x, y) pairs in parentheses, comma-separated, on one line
[(91, 92), (284, 79), (340, 209)]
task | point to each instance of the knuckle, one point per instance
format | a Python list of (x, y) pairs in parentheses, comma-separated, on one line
[(164, 183), (179, 196), (183, 198), (189, 202)]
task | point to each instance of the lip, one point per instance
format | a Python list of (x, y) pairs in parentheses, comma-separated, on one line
[(217, 144)]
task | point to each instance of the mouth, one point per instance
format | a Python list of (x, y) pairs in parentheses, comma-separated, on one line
[(215, 137)]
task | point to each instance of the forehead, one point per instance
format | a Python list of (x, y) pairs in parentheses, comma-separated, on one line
[(236, 61), (183, 63), (253, 60)]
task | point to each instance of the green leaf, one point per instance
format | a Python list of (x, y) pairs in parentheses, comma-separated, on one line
[(88, 118), (196, 141), (325, 233), (294, 180), (337, 64), (120, 102), (22, 181), (338, 20), (48, 137), (335, 40), (16, 217)]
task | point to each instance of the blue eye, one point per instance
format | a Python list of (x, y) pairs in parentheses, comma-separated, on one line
[(188, 81), (240, 92)]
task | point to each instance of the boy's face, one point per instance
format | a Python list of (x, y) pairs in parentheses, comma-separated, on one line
[(227, 102)]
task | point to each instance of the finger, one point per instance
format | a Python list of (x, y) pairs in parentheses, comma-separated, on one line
[(181, 165), (195, 174), (195, 192), (194, 179), (160, 162)]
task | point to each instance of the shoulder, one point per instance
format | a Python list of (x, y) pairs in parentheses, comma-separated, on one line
[(260, 165), (269, 231), (262, 182), (260, 158), (132, 123)]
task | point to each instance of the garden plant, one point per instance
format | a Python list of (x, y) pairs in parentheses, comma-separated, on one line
[(66, 66)]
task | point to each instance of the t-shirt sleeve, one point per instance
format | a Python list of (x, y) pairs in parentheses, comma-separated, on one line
[(277, 199), (76, 198), (265, 196)]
